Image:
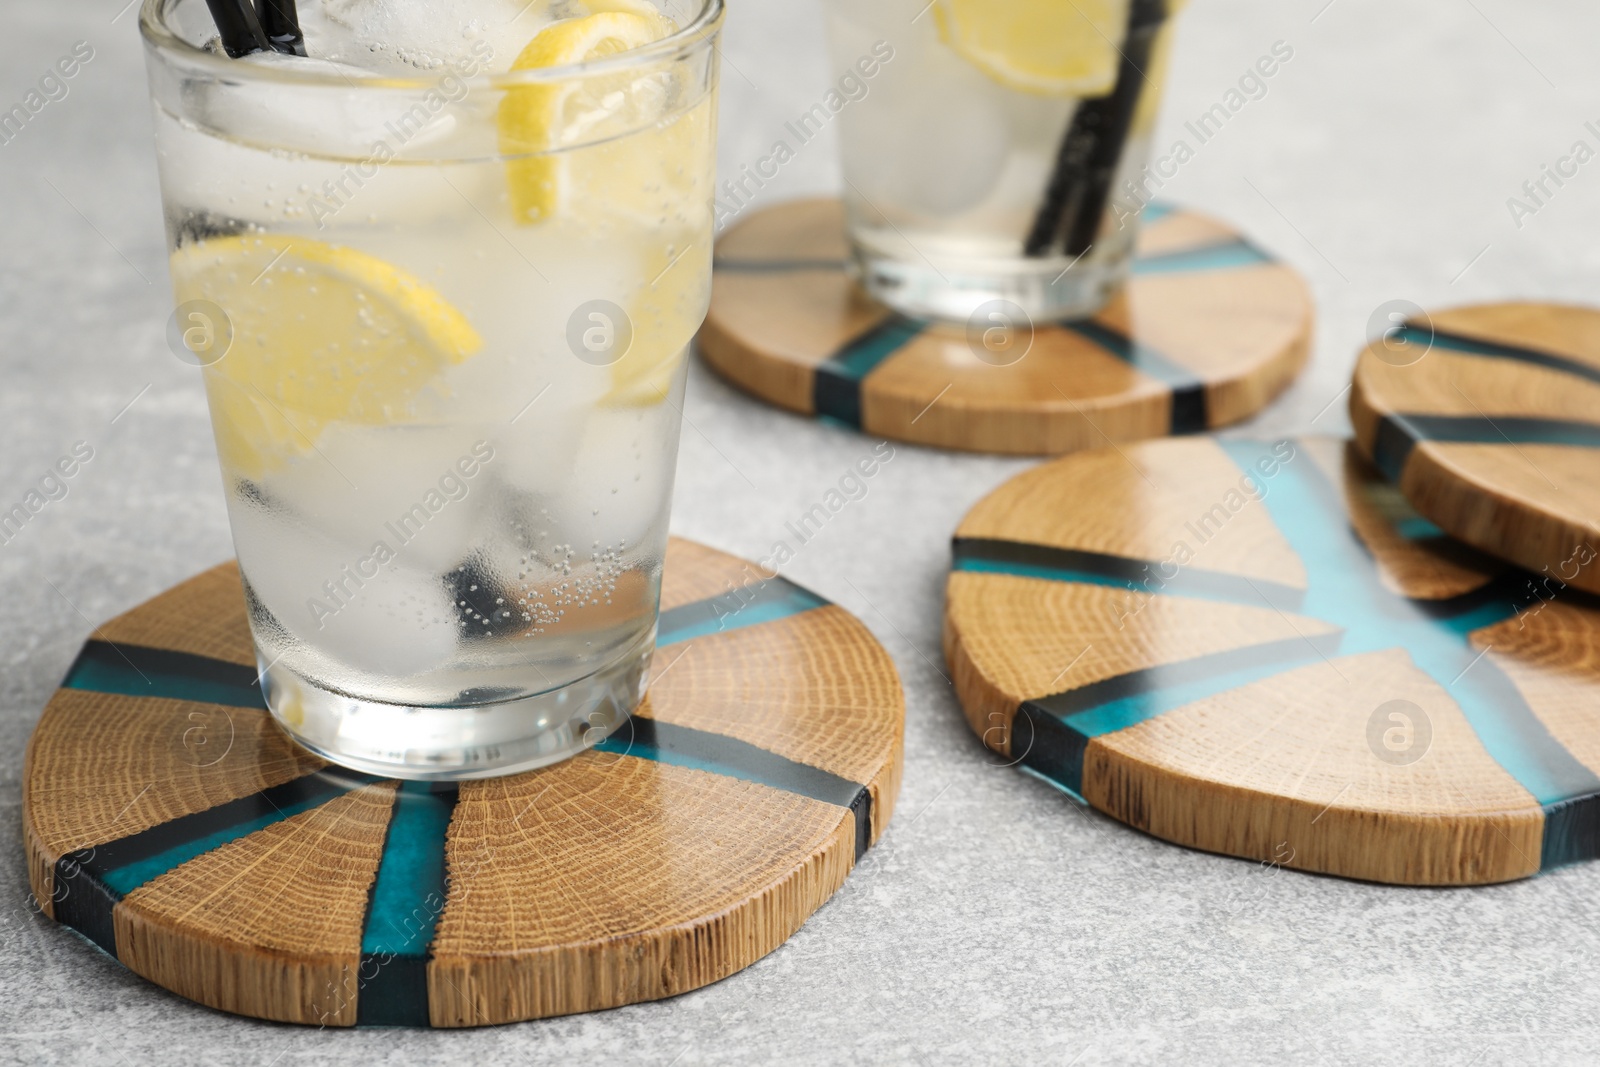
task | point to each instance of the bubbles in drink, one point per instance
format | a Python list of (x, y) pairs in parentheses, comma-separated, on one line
[(434, 502)]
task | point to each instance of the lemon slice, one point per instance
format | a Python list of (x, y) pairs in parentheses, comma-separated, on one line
[(632, 7), (1044, 47), (538, 120), (675, 245), (610, 153), (320, 334), (665, 315)]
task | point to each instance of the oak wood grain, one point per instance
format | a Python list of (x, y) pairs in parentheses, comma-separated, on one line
[(783, 305), (1280, 766), (700, 875), (269, 925), (769, 752), (1533, 502)]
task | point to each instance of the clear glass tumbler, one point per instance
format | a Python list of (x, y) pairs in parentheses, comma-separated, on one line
[(991, 147), (442, 277)]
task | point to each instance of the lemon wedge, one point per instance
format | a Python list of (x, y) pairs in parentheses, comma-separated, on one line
[(666, 314), (632, 7), (536, 121), (619, 155), (321, 334), (1044, 47)]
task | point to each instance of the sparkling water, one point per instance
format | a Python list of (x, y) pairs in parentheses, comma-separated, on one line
[(946, 171), (460, 575)]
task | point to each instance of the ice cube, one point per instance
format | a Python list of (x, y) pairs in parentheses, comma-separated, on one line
[(235, 184), (534, 455), (400, 623), (317, 119), (412, 36), (621, 477), (402, 486), (932, 134), (333, 598)]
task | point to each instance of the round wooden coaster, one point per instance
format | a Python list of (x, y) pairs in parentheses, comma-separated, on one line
[(1261, 650), (1208, 330), (1488, 419), (169, 821)]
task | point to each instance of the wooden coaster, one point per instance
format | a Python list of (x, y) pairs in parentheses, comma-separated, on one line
[(169, 821), (1488, 419), (1261, 650), (1208, 330)]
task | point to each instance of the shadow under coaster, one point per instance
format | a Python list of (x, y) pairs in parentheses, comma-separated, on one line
[(1488, 419), (1261, 650), (1208, 330), (169, 821)]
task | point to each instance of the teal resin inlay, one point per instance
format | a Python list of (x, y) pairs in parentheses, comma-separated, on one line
[(765, 601), (1228, 255), (1345, 591), (410, 888), (408, 895), (836, 389)]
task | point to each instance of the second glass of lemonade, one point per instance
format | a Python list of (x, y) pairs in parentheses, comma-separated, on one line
[(990, 156), (442, 275)]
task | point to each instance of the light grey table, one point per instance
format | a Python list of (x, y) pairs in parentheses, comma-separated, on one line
[(997, 921)]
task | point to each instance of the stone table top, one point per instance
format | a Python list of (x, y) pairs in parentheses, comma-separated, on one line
[(998, 921)]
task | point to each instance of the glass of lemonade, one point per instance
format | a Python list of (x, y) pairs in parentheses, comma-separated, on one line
[(991, 156), (442, 274)]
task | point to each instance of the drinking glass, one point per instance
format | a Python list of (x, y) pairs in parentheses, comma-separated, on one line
[(994, 149), (442, 307)]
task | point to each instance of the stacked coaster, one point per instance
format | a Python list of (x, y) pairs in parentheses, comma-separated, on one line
[(1209, 329), (169, 821), (1488, 419), (1263, 650)]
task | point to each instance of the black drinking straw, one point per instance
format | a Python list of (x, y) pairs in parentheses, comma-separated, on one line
[(1075, 198), (282, 23), (1065, 179), (241, 28)]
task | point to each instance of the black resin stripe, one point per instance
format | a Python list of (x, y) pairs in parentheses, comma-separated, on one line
[(1399, 434), (1345, 590), (83, 902), (836, 389), (393, 977), (774, 599), (861, 808), (1571, 831), (1200, 668), (836, 383), (684, 746), (1051, 734), (90, 881), (995, 556), (1057, 735), (984, 555), (1461, 344), (140, 671), (1512, 590), (1190, 411), (392, 991)]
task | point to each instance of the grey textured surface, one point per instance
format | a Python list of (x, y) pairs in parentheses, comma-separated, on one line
[(997, 921)]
